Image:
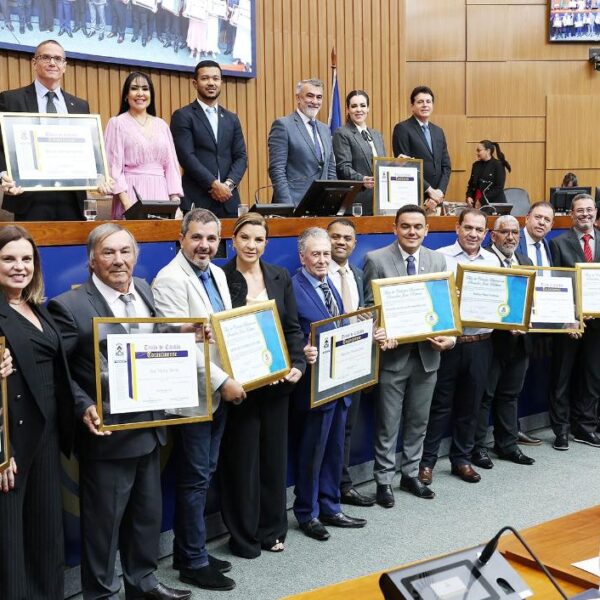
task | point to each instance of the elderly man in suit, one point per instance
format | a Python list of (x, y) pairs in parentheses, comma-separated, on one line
[(576, 409), (210, 147), (119, 474), (510, 360), (408, 371), (300, 149), (419, 138), (320, 448), (44, 95), (191, 286)]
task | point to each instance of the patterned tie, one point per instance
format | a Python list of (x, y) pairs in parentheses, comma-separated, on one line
[(330, 302), (50, 106), (211, 291), (410, 266), (587, 249), (427, 135), (508, 263), (313, 124), (127, 299), (346, 295)]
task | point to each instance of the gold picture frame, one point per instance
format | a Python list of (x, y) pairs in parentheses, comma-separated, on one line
[(580, 268), (398, 181)]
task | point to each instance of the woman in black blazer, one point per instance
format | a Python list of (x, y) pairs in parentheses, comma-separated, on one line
[(354, 146), (41, 413), (253, 459), (488, 175)]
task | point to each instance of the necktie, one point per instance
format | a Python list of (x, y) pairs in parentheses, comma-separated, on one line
[(587, 249), (313, 124), (427, 135), (410, 266), (211, 291), (508, 263), (538, 256), (127, 299), (213, 118), (330, 302), (346, 295), (50, 106)]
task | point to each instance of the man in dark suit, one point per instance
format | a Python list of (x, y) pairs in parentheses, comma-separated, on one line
[(300, 149), (418, 138), (119, 474), (510, 359), (210, 147), (408, 371), (348, 281), (44, 95), (320, 445), (571, 409)]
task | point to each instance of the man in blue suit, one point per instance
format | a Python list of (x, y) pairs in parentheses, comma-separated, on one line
[(300, 148), (320, 451), (210, 147)]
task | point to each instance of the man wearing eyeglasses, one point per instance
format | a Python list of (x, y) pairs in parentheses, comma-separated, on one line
[(573, 409), (44, 95)]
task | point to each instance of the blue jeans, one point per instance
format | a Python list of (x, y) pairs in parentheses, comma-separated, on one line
[(196, 453)]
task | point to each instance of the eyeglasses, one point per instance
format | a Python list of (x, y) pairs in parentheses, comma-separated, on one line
[(585, 211), (47, 59)]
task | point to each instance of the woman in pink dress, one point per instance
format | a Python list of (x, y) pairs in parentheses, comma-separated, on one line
[(139, 148)]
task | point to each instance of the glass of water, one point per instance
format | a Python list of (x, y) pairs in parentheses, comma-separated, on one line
[(90, 209), (242, 209), (357, 209)]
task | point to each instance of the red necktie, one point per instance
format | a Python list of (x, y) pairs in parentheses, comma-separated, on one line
[(587, 249)]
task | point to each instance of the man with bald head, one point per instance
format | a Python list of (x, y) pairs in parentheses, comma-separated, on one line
[(510, 360)]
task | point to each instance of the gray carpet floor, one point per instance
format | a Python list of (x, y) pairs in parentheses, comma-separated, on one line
[(461, 515)]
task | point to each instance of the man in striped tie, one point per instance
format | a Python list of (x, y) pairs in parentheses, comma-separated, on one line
[(321, 430)]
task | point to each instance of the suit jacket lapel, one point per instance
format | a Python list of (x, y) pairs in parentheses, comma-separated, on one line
[(364, 146), (312, 294), (573, 241), (187, 269), (31, 99), (69, 101), (424, 261), (419, 130), (304, 133), (201, 115), (398, 260), (378, 141)]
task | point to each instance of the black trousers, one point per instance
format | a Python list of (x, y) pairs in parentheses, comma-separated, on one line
[(50, 206), (141, 16), (45, 14), (252, 471), (32, 548), (504, 384), (119, 17), (575, 382), (458, 392), (346, 482)]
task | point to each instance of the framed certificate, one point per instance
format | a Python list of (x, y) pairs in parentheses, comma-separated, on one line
[(398, 181), (4, 441), (554, 308), (251, 344), (195, 9), (588, 289), (151, 372), (348, 358), (149, 4), (494, 297), (172, 6), (418, 307), (46, 152)]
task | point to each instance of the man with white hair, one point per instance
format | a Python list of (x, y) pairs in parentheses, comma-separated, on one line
[(510, 360), (300, 147)]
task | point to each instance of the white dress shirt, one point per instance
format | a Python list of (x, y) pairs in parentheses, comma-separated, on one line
[(334, 275), (42, 100), (309, 128), (531, 252)]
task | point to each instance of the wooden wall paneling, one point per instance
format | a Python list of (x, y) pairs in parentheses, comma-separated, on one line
[(506, 129), (527, 162), (458, 185), (373, 65), (488, 38), (447, 81), (435, 30), (544, 2)]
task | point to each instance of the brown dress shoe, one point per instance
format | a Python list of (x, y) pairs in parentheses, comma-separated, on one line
[(426, 475), (466, 473)]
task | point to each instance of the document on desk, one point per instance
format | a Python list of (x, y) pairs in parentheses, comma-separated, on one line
[(591, 565)]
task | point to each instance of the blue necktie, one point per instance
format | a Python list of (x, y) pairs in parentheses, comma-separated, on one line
[(427, 135), (330, 302), (313, 124), (410, 266), (213, 118), (538, 256), (211, 291)]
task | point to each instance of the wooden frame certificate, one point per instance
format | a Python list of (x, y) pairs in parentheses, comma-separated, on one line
[(554, 308), (151, 372), (494, 297), (588, 289), (4, 439), (251, 344), (418, 307), (46, 152), (348, 358), (398, 181)]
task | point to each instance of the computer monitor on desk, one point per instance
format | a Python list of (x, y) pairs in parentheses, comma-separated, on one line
[(562, 197), (326, 198)]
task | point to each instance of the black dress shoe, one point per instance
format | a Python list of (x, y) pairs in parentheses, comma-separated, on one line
[(385, 496), (481, 458), (112, 34), (69, 34), (120, 39), (426, 475), (167, 44), (415, 487), (355, 498), (207, 578), (314, 529), (134, 39), (29, 26), (224, 566), (515, 456), (91, 33), (21, 28), (527, 440), (342, 520), (466, 473), (100, 37), (591, 439), (76, 28), (561, 442), (10, 27), (61, 32), (162, 592)]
